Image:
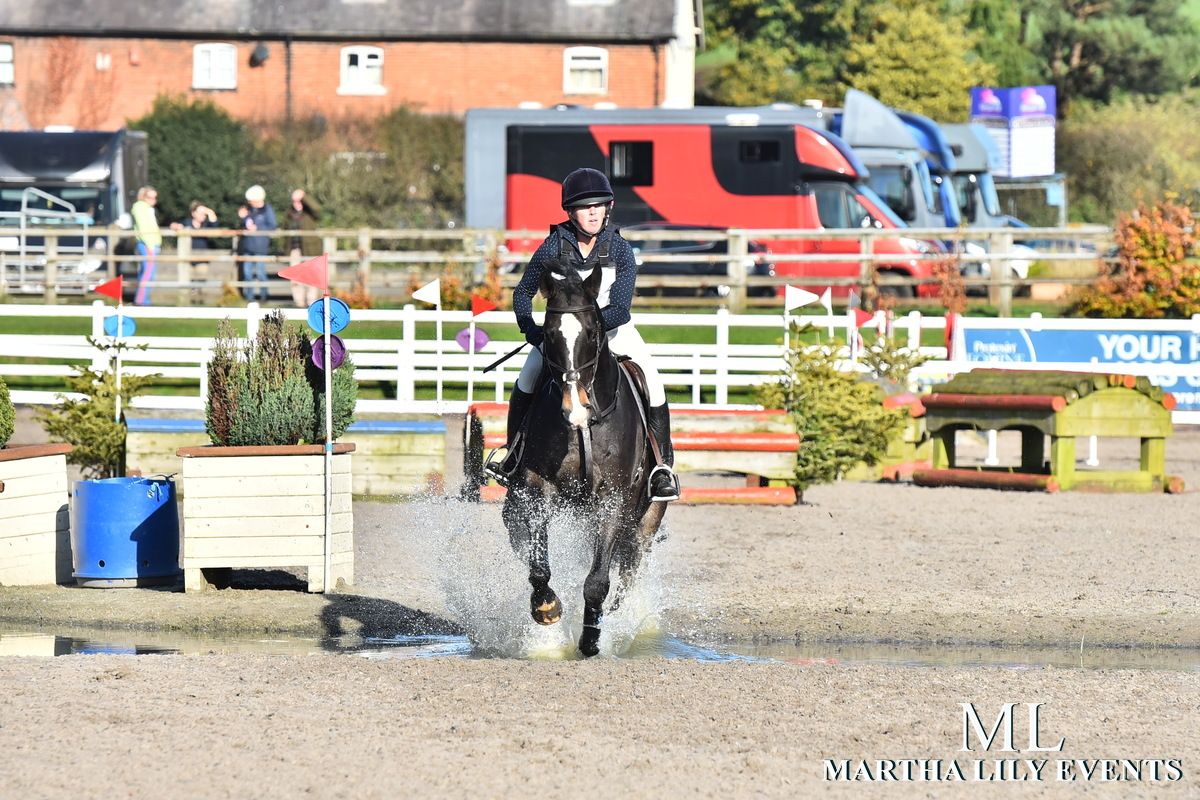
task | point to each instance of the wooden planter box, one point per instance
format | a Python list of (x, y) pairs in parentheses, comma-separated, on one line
[(256, 507), (35, 533), (394, 457)]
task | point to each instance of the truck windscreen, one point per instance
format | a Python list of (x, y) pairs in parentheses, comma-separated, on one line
[(90, 205)]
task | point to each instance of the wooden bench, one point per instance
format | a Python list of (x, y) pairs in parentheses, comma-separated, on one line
[(392, 456), (1061, 405), (758, 445)]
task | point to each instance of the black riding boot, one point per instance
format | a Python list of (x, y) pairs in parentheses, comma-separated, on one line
[(518, 407), (663, 483)]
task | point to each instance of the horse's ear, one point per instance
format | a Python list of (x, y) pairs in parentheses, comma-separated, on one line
[(592, 282)]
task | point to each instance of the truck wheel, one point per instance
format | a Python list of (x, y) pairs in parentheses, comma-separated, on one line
[(894, 291)]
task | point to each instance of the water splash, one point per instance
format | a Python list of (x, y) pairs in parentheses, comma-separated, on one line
[(483, 586)]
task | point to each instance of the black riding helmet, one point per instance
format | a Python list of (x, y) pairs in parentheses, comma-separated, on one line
[(586, 187)]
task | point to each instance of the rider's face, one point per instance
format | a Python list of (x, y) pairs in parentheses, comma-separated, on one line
[(590, 219)]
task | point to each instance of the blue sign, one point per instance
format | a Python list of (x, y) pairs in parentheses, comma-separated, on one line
[(339, 315), (128, 326), (1106, 349)]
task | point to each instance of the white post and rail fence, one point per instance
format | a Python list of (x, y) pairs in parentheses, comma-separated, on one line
[(406, 372)]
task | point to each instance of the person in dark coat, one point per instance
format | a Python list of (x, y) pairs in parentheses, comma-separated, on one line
[(587, 197), (258, 216), (304, 214)]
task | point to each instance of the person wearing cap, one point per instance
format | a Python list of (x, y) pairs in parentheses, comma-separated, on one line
[(587, 197), (258, 216)]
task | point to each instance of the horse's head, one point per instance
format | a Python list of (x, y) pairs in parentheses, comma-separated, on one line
[(574, 337)]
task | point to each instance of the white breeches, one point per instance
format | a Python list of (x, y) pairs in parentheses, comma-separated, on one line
[(624, 341)]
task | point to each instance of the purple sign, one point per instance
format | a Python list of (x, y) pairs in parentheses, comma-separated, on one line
[(463, 338), (1014, 102), (337, 351)]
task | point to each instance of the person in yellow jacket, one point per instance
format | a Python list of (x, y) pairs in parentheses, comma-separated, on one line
[(149, 241)]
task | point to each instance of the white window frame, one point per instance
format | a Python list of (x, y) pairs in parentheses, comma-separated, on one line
[(214, 66), (8, 70), (363, 78), (577, 60)]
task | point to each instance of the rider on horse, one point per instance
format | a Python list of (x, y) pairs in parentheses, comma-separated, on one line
[(589, 243)]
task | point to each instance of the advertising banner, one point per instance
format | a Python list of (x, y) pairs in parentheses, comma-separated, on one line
[(1104, 346), (1021, 122)]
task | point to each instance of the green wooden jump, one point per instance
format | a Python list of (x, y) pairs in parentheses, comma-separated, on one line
[(1061, 405)]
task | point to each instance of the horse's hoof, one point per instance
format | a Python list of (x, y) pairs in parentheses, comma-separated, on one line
[(589, 642), (547, 613)]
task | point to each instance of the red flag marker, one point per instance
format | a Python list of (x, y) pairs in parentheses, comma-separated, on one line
[(480, 305), (313, 272), (110, 288), (862, 317)]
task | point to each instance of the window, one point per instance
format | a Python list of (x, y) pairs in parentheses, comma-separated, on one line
[(892, 183), (831, 206), (585, 70), (632, 163), (758, 150), (6, 64), (362, 71), (214, 66)]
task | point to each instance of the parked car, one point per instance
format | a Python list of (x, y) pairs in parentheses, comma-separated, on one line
[(711, 277)]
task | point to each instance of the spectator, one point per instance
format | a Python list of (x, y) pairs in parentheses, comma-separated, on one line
[(304, 214), (259, 216), (149, 241), (199, 217)]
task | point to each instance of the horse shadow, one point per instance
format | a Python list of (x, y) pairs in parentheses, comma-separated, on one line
[(352, 622)]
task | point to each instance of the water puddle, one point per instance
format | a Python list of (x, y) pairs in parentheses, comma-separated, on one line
[(650, 645)]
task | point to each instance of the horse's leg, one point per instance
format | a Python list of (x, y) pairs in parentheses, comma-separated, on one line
[(634, 544), (527, 521), (595, 586)]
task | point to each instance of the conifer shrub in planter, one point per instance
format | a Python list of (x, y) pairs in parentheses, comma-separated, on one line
[(255, 497)]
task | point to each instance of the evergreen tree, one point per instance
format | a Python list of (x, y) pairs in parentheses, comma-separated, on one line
[(1004, 41), (197, 152), (1100, 50)]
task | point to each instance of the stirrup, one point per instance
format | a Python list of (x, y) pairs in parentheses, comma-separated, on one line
[(650, 484), (494, 468)]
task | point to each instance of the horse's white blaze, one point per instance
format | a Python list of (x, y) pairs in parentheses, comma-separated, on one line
[(571, 329)]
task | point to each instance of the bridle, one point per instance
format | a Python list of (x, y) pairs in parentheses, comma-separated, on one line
[(562, 375)]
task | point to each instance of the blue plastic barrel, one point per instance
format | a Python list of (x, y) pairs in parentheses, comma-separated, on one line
[(125, 532)]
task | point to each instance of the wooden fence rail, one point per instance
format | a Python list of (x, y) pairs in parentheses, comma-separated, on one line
[(389, 263)]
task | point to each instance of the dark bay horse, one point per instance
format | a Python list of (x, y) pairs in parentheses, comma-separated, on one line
[(586, 449)]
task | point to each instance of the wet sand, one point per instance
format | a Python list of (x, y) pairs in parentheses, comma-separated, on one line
[(859, 563)]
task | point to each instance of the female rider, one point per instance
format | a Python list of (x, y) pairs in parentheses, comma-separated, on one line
[(587, 197)]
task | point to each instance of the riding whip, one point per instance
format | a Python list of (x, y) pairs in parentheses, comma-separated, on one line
[(502, 359)]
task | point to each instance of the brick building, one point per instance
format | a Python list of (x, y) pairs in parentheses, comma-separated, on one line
[(95, 65)]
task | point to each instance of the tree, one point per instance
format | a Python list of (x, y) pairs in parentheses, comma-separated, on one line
[(1156, 276), (916, 55), (197, 152), (785, 50), (841, 419), (89, 423), (1003, 41), (932, 73), (1099, 50), (1128, 152)]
